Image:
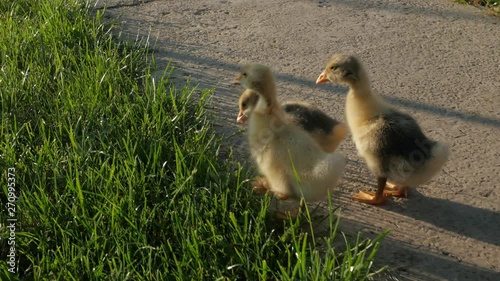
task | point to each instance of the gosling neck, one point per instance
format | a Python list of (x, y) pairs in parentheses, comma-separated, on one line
[(267, 89), (361, 86)]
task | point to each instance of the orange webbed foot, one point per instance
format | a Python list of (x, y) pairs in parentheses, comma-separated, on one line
[(369, 197), (260, 185), (392, 189), (281, 196)]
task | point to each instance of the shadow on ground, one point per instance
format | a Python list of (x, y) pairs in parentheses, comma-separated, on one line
[(202, 78), (406, 259), (400, 7), (461, 219)]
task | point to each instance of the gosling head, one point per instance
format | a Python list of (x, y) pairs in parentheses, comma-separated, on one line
[(344, 69), (256, 77), (248, 101)]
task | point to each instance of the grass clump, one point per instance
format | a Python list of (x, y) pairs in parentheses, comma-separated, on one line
[(493, 5), (117, 175)]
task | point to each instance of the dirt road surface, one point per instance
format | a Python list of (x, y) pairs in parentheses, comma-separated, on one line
[(437, 60)]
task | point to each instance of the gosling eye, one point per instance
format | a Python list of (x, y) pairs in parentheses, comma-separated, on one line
[(244, 104), (244, 74), (333, 67)]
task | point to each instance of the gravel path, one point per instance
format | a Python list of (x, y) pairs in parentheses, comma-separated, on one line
[(437, 60)]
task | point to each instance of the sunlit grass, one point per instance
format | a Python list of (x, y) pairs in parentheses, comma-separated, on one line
[(492, 5), (118, 175)]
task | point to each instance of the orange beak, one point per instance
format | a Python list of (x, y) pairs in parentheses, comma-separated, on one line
[(322, 78), (237, 80), (242, 118)]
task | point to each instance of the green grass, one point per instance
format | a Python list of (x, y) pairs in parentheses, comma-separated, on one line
[(118, 175), (492, 5)]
